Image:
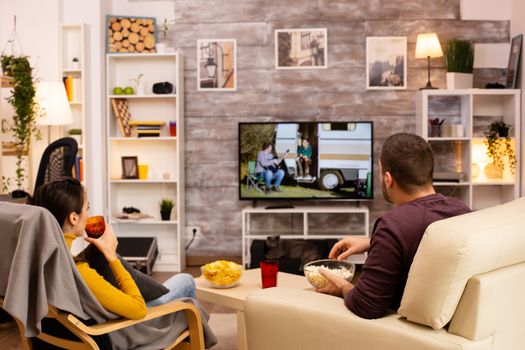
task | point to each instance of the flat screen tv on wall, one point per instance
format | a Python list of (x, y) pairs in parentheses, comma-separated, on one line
[(306, 160)]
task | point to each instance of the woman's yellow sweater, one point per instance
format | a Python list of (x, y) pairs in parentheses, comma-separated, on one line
[(125, 301)]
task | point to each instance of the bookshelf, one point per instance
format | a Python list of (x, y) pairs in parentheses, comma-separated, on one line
[(163, 154), (72, 71), (470, 112)]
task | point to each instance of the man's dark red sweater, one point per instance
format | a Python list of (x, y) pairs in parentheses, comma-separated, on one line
[(394, 243)]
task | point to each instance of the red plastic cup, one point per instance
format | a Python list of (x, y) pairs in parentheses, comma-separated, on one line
[(95, 226), (269, 271), (173, 129)]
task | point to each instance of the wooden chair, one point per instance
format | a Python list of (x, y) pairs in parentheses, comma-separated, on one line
[(190, 339)]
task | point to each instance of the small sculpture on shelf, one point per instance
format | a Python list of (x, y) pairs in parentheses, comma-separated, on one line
[(499, 145), (166, 206)]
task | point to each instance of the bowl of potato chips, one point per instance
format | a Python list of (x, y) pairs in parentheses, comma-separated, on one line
[(222, 273)]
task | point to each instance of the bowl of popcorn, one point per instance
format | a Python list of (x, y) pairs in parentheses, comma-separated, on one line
[(341, 268), (222, 273)]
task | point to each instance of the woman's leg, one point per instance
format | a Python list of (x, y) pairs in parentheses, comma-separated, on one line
[(268, 175), (180, 285)]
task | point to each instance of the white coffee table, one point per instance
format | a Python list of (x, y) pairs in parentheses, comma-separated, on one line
[(234, 297)]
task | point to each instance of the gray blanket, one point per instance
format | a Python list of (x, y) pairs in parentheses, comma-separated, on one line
[(36, 269)]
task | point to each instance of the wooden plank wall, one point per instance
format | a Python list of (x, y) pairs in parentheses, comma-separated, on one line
[(265, 94)]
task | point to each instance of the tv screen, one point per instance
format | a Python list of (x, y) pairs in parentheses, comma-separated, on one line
[(305, 160)]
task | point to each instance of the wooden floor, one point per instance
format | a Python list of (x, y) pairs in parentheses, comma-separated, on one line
[(10, 340)]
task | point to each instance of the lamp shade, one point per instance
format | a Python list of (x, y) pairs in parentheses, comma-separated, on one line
[(52, 99), (428, 45)]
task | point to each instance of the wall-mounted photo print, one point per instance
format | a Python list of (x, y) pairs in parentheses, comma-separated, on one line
[(386, 63), (217, 65), (301, 48)]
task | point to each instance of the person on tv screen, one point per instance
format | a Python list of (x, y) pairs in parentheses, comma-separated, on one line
[(268, 167), (406, 168), (304, 159)]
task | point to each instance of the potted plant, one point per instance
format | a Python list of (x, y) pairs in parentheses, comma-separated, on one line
[(164, 27), (76, 134), (6, 62), (460, 64), (23, 124), (75, 63), (166, 206), (499, 145)]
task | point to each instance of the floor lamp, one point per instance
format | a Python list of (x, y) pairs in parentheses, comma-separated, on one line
[(428, 46), (52, 100)]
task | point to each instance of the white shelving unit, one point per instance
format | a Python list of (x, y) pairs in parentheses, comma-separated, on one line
[(304, 223), (163, 155), (5, 86), (72, 45), (474, 110)]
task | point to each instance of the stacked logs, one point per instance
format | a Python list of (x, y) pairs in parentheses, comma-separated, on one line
[(131, 34)]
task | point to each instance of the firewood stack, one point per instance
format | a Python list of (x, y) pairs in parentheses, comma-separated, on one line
[(131, 34)]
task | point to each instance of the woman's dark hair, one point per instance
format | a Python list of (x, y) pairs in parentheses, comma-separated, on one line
[(61, 197), (266, 145), (409, 159)]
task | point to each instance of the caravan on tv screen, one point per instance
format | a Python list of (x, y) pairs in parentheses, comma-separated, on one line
[(306, 160)]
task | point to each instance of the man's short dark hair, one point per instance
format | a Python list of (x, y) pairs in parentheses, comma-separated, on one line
[(409, 159), (266, 145)]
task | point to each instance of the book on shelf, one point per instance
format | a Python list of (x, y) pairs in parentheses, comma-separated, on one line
[(73, 88), (78, 169)]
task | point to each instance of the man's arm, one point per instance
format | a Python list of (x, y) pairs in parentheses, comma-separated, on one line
[(264, 161), (376, 289)]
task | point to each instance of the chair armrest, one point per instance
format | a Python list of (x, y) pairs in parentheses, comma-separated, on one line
[(192, 314)]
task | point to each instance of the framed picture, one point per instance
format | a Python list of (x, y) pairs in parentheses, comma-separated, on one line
[(217, 65), (386, 63), (514, 62), (130, 167), (301, 48), (125, 34)]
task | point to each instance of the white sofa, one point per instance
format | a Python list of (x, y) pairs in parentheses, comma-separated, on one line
[(465, 290)]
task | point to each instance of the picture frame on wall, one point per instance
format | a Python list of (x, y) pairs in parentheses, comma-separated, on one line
[(514, 62), (386, 63), (304, 48), (130, 167), (130, 34), (217, 65)]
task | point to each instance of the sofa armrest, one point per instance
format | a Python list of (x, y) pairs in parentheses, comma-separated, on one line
[(292, 319)]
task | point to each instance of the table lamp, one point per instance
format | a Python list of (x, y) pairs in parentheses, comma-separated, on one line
[(428, 47), (52, 99)]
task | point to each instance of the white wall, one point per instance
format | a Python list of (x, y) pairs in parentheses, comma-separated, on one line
[(498, 10), (160, 9), (517, 26), (37, 31), (488, 55)]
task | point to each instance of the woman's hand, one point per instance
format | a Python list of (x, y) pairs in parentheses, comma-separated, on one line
[(107, 243), (348, 246)]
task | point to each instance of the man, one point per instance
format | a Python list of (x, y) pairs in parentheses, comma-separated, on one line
[(268, 167), (304, 159), (406, 166)]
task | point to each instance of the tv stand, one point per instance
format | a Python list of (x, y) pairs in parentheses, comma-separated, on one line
[(303, 223), (284, 206)]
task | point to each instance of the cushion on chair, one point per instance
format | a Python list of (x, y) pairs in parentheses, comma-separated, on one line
[(454, 250)]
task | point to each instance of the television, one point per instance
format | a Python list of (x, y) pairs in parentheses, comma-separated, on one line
[(312, 160)]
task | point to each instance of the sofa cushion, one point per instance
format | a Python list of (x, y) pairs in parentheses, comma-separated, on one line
[(292, 319), (454, 250)]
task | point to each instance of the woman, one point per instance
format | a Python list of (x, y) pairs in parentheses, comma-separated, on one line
[(67, 201)]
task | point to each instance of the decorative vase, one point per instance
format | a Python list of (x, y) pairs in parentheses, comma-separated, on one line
[(165, 215), (161, 47), (459, 81)]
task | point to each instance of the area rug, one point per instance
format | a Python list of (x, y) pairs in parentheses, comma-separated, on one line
[(224, 325)]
